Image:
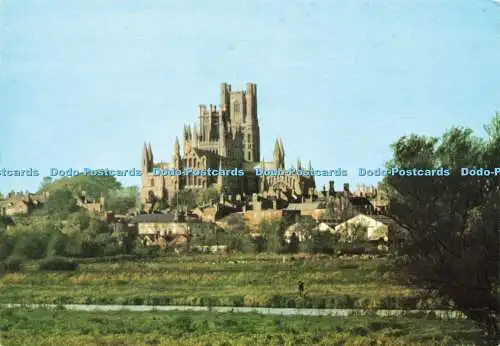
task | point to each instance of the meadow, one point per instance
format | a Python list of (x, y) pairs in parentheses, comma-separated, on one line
[(43, 327), (263, 280)]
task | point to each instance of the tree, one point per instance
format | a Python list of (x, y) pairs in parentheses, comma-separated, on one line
[(237, 237), (354, 233), (184, 198), (451, 243), (294, 243), (206, 196), (61, 203), (273, 235), (120, 204), (339, 207), (46, 181), (122, 200)]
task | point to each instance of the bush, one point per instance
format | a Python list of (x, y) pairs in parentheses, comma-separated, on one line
[(58, 263), (12, 264)]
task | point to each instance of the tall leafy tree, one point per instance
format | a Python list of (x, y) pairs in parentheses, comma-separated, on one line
[(61, 203), (451, 244)]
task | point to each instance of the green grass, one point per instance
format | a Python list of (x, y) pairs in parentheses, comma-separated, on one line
[(60, 327), (214, 280)]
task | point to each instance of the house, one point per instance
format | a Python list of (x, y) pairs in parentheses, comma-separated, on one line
[(314, 209), (164, 224), (162, 229), (92, 205), (22, 204), (377, 226), (298, 229), (324, 227)]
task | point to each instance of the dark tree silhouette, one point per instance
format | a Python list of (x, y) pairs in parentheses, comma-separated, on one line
[(451, 246)]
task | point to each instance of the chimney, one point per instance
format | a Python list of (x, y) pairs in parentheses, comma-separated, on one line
[(346, 187)]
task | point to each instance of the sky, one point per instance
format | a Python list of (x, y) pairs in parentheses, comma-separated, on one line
[(85, 83)]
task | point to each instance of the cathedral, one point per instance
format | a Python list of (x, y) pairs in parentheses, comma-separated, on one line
[(225, 138)]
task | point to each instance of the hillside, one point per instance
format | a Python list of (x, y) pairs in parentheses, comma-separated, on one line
[(94, 186)]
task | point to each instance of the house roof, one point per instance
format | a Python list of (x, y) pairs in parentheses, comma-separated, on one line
[(152, 218), (306, 206), (386, 220)]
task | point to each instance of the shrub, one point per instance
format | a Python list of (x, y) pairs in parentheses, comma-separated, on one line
[(57, 263), (12, 264)]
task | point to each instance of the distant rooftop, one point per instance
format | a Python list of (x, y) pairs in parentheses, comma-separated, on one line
[(154, 218)]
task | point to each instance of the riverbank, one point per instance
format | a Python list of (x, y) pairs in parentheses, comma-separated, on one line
[(56, 326)]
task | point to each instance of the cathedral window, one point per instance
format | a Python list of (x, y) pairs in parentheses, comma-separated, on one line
[(236, 107)]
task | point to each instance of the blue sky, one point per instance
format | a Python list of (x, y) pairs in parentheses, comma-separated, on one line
[(85, 83)]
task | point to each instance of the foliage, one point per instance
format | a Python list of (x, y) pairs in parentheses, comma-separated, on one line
[(80, 236), (123, 200), (12, 264), (237, 237), (338, 207), (321, 242), (7, 244), (207, 196), (61, 203), (31, 244), (272, 234), (5, 221), (353, 233), (190, 198), (57, 263), (45, 327), (205, 234), (184, 198), (93, 186), (452, 241), (263, 280)]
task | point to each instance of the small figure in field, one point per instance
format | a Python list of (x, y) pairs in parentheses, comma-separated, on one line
[(300, 287)]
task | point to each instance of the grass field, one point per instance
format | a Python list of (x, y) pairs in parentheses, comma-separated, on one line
[(264, 281), (59, 327)]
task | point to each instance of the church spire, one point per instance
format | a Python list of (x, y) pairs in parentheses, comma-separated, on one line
[(177, 147), (176, 157), (146, 159), (150, 152), (282, 153), (277, 154)]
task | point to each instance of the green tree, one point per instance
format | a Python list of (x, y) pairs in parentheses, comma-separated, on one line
[(57, 244), (93, 186), (354, 233), (5, 221), (451, 242), (185, 199), (7, 244), (120, 204), (294, 243), (122, 200), (46, 182), (237, 237), (61, 203), (273, 234)]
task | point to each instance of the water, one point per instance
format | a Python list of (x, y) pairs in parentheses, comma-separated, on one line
[(444, 314)]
